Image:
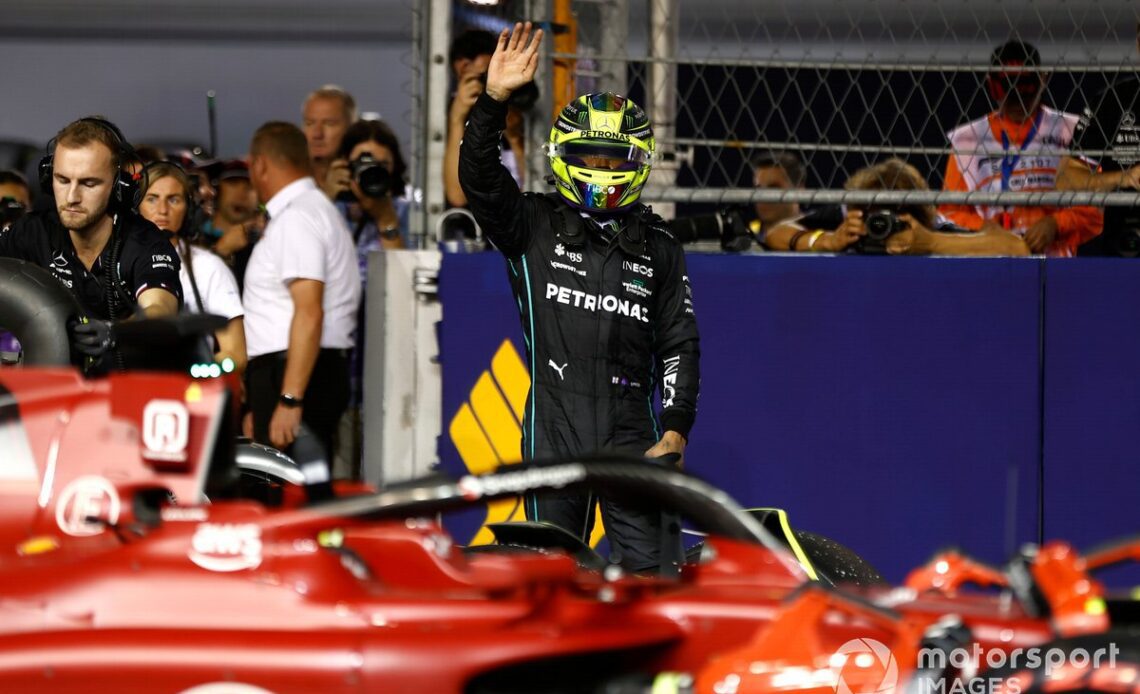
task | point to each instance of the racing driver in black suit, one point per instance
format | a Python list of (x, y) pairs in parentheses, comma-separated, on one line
[(601, 288)]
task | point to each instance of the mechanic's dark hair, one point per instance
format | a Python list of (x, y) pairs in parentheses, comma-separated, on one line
[(282, 142), (790, 162), (471, 44), (379, 132), (10, 176), (895, 174)]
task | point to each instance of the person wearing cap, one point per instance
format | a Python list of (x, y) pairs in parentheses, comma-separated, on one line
[(1017, 148), (237, 219), (201, 170)]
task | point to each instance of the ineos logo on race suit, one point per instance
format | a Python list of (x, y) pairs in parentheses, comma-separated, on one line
[(669, 380), (594, 302), (637, 267)]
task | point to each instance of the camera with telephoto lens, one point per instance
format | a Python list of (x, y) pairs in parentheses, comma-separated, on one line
[(880, 224), (373, 178), (11, 209), (730, 226)]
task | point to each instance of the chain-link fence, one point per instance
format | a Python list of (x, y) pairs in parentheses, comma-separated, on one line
[(841, 85)]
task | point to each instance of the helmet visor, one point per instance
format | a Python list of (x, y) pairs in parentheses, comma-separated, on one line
[(594, 154)]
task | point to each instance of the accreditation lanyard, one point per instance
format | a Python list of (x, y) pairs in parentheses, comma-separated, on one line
[(1009, 161)]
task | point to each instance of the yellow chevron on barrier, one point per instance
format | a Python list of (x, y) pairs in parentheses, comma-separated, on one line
[(487, 433), (493, 413), (511, 375)]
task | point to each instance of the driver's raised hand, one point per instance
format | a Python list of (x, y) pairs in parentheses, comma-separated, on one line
[(514, 62)]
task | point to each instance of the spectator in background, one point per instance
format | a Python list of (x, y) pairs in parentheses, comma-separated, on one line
[(369, 178), (202, 172), (777, 171), (207, 284), (326, 115), (469, 54), (237, 219), (835, 229), (301, 296), (1027, 134)]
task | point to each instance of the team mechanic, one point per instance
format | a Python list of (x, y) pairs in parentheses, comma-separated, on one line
[(601, 288), (95, 244)]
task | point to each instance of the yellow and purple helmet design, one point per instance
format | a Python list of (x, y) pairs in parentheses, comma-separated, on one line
[(601, 149)]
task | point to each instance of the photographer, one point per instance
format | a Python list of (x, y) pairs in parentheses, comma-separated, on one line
[(470, 54), (369, 184), (905, 230), (115, 262)]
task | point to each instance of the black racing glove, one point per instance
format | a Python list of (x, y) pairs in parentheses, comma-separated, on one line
[(93, 338)]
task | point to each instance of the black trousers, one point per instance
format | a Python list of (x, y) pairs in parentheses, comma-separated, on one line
[(326, 397), (633, 530)]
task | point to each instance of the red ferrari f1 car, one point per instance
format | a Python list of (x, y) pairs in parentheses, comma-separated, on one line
[(136, 556)]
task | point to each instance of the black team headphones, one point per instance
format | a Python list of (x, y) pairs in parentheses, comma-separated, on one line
[(126, 193)]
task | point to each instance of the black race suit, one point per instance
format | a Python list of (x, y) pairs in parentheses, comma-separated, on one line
[(603, 327)]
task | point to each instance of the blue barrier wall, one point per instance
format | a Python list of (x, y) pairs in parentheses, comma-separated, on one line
[(895, 404)]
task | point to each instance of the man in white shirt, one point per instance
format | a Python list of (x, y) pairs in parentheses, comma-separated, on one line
[(302, 289)]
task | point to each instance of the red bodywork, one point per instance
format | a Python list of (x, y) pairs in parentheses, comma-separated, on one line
[(100, 587)]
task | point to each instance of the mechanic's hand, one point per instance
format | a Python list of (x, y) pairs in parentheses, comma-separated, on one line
[(338, 178), (514, 62), (914, 240), (247, 425), (1041, 235), (850, 231), (93, 338), (468, 91), (671, 442), (284, 426)]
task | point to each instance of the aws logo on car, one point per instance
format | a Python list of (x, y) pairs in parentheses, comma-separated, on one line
[(226, 547)]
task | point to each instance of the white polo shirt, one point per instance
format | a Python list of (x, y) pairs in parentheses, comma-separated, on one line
[(306, 238), (216, 285)]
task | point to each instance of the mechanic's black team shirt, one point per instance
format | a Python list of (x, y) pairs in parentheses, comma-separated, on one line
[(147, 259)]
